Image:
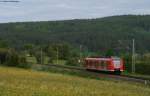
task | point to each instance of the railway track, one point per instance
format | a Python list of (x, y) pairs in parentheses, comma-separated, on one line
[(128, 78), (145, 81)]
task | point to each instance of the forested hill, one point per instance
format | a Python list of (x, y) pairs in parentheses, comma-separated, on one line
[(101, 34)]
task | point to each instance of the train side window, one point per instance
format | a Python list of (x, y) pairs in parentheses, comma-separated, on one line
[(87, 62), (90, 63), (94, 63), (97, 63), (102, 64)]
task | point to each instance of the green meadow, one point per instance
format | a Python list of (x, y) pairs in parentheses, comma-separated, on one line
[(21, 82)]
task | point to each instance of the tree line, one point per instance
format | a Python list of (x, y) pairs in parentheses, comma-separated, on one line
[(100, 34), (64, 51), (61, 40)]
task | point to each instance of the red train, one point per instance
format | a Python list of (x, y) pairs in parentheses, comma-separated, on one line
[(112, 64)]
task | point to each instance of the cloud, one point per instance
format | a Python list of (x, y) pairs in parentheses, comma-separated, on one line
[(43, 10)]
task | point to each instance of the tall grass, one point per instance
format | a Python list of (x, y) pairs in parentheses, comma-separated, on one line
[(20, 82)]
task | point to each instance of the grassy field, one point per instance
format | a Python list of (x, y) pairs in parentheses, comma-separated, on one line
[(20, 82)]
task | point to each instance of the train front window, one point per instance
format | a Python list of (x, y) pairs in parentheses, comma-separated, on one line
[(116, 62)]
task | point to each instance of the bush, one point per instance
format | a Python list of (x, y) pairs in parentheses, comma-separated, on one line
[(143, 68), (50, 60), (72, 62), (23, 62), (3, 54), (38, 57), (10, 57)]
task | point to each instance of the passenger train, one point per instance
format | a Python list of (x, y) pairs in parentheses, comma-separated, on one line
[(111, 64)]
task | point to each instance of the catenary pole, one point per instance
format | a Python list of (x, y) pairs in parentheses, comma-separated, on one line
[(133, 56)]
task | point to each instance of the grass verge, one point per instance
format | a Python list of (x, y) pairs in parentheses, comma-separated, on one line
[(20, 82)]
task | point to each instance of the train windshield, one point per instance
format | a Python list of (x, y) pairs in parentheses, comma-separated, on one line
[(117, 62)]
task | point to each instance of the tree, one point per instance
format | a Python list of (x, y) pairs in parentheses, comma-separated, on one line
[(16, 60), (73, 61), (3, 44), (29, 48), (109, 53), (40, 56), (64, 50), (52, 54), (3, 55)]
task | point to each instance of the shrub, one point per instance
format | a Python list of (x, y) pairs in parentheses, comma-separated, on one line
[(72, 62), (142, 68), (39, 57), (10, 57), (23, 62), (3, 54)]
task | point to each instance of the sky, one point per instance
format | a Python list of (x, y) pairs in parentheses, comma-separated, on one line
[(50, 10)]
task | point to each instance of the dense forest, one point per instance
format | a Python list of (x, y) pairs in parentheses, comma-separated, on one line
[(115, 33), (71, 40)]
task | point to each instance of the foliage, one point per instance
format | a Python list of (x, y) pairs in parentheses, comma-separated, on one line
[(23, 62), (51, 53), (39, 55), (3, 55), (109, 53), (73, 61), (114, 32), (127, 59), (10, 57), (3, 44), (142, 64), (29, 48)]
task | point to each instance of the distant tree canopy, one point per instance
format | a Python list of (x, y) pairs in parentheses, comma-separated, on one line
[(3, 44), (109, 53), (102, 34)]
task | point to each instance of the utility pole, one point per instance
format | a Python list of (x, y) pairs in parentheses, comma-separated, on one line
[(133, 56), (41, 56), (80, 54), (57, 55)]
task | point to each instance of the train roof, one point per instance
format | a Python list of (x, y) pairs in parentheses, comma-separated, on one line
[(105, 59)]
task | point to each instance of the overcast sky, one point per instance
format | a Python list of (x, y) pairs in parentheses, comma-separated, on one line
[(47, 10)]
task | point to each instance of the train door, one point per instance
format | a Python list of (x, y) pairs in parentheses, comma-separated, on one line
[(104, 65)]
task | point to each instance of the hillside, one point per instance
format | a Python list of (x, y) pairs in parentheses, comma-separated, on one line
[(101, 34), (16, 82)]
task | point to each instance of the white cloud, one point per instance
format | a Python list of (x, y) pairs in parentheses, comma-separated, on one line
[(39, 10)]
